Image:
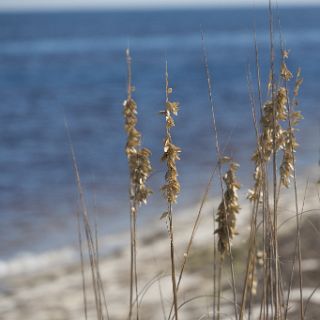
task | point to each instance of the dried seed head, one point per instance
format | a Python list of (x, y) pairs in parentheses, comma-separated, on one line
[(274, 112), (298, 83), (138, 159), (130, 117), (285, 72), (227, 210), (290, 142), (171, 189), (140, 171)]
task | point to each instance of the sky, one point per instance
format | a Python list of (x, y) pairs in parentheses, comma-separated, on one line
[(125, 4)]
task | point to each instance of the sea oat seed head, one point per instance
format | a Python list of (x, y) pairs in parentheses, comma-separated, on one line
[(227, 210), (171, 189), (138, 159)]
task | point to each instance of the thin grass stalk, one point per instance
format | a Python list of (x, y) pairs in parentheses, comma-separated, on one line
[(90, 242), (270, 295), (140, 169), (84, 286), (295, 255), (102, 298), (219, 156), (258, 71), (202, 297), (272, 140), (214, 268), (250, 260), (172, 257), (278, 312), (284, 72), (288, 163), (131, 263), (100, 283), (193, 232), (252, 239), (163, 309), (86, 224), (132, 207), (252, 282), (298, 221), (267, 234), (171, 189), (148, 286), (265, 181), (309, 299), (254, 210), (298, 217), (219, 287), (135, 256), (194, 229)]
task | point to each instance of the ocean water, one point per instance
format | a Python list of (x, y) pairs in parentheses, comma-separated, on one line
[(72, 65)]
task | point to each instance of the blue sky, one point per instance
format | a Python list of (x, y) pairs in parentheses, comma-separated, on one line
[(60, 4)]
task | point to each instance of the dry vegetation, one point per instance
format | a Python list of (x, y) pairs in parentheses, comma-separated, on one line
[(262, 285), (269, 271)]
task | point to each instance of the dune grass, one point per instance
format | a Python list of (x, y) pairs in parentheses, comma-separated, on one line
[(262, 285)]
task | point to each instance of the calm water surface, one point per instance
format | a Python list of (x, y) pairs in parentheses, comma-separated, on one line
[(56, 65)]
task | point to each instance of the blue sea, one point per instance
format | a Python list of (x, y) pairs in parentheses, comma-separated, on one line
[(71, 65)]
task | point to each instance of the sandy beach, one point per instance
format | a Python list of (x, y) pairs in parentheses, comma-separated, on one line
[(55, 291)]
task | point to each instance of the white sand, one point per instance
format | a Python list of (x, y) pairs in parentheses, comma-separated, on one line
[(54, 291)]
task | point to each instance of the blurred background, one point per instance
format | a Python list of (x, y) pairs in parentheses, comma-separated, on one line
[(67, 60)]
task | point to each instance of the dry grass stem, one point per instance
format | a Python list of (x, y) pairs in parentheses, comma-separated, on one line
[(140, 170), (171, 188)]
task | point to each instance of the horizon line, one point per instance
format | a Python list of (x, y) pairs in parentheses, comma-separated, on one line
[(83, 8)]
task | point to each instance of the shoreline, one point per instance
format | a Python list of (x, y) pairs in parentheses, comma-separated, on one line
[(59, 286)]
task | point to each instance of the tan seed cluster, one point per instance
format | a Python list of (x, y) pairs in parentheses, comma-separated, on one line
[(228, 210), (290, 141), (171, 189), (138, 158), (130, 117), (270, 128), (285, 72), (275, 112)]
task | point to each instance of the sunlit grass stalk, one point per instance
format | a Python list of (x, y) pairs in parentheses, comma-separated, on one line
[(226, 218), (171, 188), (220, 160), (192, 235), (264, 186), (258, 192), (272, 139), (275, 253), (140, 169), (98, 289), (288, 166)]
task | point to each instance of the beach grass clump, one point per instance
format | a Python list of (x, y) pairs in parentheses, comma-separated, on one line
[(271, 139), (275, 134), (264, 285)]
